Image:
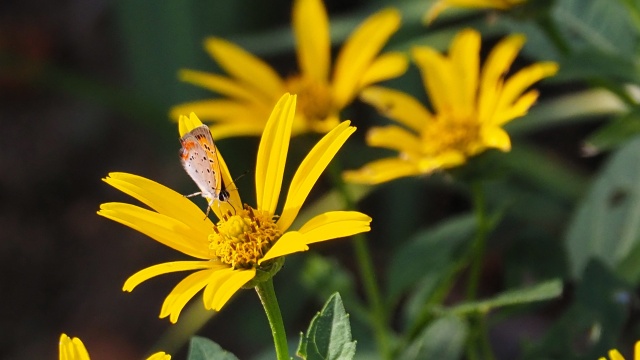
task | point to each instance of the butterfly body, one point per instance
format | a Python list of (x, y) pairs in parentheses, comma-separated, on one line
[(199, 158)]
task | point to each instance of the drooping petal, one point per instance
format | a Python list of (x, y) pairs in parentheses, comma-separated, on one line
[(71, 349), (495, 137), (398, 106), (246, 67), (289, 243), (313, 44), (230, 286), (435, 10), (221, 85), (165, 268), (395, 138), (162, 228), (161, 199), (465, 58), (183, 292), (386, 66), (359, 51), (333, 225), (272, 153), (310, 170), (380, 171)]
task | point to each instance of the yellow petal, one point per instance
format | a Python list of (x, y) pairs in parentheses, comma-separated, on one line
[(524, 78), (495, 137), (222, 110), (230, 286), (162, 228), (333, 225), (380, 171), (213, 285), (359, 51), (71, 349), (313, 44), (465, 58), (236, 129), (161, 199), (234, 202), (289, 243), (615, 355), (182, 293), (395, 138), (636, 351), (491, 79), (165, 268), (272, 153), (188, 123), (444, 160), (439, 78), (310, 170), (387, 66), (398, 106), (161, 355), (516, 110), (435, 10), (221, 85), (246, 67)]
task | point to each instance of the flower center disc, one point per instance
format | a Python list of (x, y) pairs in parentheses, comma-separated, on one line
[(314, 100), (242, 239)]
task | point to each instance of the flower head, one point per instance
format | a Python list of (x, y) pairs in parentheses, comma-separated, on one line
[(615, 354), (442, 5), (246, 245), (73, 349), (253, 87), (470, 108)]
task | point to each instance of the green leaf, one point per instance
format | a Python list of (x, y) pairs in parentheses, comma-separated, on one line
[(593, 322), (204, 349), (428, 253), (606, 224), (614, 133), (601, 24), (443, 340), (544, 291), (329, 334)]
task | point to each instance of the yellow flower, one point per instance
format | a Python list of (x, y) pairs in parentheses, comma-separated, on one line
[(246, 245), (253, 87), (442, 5), (615, 354), (73, 349), (471, 106)]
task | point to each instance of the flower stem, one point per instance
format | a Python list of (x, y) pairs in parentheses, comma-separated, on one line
[(479, 341), (267, 296), (366, 269), (480, 241)]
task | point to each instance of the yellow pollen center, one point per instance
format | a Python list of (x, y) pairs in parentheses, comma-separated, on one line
[(314, 101), (447, 134), (242, 239)]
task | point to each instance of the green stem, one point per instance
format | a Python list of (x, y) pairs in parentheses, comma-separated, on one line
[(366, 269), (267, 296), (479, 341), (479, 243)]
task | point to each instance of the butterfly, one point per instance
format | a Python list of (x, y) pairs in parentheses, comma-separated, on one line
[(199, 158)]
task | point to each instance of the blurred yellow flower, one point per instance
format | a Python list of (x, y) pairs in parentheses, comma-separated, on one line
[(615, 354), (235, 252), (73, 349), (253, 87), (471, 106), (442, 5)]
